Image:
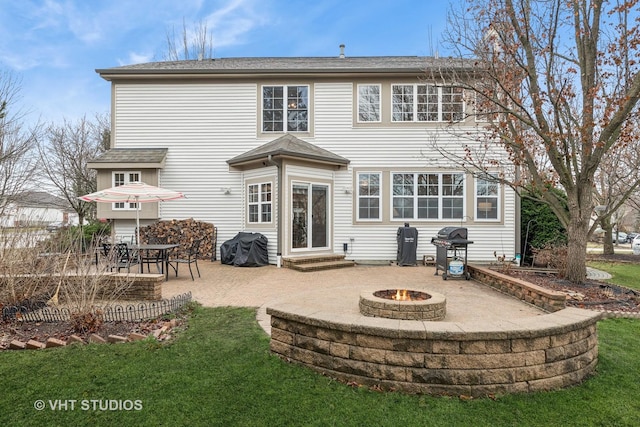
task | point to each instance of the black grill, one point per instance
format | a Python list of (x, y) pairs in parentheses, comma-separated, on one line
[(451, 233), (451, 245)]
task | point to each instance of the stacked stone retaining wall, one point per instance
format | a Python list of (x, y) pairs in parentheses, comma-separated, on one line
[(544, 352), (546, 299)]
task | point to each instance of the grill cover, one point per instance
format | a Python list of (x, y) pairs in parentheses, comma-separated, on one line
[(407, 245), (245, 250)]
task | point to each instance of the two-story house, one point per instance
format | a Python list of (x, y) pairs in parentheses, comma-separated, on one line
[(322, 155)]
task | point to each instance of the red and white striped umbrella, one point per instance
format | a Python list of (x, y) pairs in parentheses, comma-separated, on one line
[(134, 192)]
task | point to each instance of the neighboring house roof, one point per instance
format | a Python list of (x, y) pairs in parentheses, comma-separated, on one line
[(294, 65), (289, 146), (130, 157), (41, 199)]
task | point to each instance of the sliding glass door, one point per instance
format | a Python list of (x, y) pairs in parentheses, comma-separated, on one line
[(309, 228)]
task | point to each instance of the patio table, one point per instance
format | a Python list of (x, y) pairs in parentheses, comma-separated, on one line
[(164, 254)]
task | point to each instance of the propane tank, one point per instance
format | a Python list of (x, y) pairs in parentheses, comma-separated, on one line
[(456, 267)]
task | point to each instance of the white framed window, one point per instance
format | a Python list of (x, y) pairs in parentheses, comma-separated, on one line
[(483, 109), (369, 103), (487, 199), (426, 103), (260, 205), (369, 196), (122, 178), (285, 108), (427, 196)]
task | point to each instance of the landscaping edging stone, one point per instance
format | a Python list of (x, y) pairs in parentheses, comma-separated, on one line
[(158, 334), (546, 299)]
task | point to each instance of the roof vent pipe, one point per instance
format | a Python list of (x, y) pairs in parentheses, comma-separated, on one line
[(342, 51)]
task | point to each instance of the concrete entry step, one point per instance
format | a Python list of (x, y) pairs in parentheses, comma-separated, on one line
[(317, 263)]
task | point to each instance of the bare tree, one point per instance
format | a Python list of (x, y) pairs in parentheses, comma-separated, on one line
[(615, 183), (65, 152), (17, 160), (196, 43), (557, 82)]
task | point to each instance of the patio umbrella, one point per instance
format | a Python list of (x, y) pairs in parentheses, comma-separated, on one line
[(134, 192)]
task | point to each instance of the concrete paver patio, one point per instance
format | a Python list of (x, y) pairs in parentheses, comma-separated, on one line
[(224, 285)]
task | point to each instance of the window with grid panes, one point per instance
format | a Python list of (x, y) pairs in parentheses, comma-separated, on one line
[(427, 196), (426, 103), (259, 203), (122, 178), (369, 196), (285, 108), (368, 103), (487, 197)]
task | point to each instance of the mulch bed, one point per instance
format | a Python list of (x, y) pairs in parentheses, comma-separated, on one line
[(41, 331), (591, 294)]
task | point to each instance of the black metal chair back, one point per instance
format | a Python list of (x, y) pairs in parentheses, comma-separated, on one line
[(150, 256), (118, 255), (190, 257)]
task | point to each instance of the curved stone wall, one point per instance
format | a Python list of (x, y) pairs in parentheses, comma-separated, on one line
[(545, 352)]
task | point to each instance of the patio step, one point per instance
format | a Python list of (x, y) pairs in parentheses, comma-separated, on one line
[(317, 263)]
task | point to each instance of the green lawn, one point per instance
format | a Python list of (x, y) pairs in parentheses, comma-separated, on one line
[(219, 372), (624, 274)]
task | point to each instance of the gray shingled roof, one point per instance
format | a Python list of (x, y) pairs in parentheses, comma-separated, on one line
[(132, 155), (289, 145), (41, 199), (315, 65)]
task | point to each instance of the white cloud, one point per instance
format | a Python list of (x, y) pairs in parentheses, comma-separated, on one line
[(232, 22), (136, 58)]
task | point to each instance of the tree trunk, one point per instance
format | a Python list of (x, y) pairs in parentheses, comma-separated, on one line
[(576, 254), (607, 245), (579, 204)]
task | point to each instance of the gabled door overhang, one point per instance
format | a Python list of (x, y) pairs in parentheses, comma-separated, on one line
[(287, 147)]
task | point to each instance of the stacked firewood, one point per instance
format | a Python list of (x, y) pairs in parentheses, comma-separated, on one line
[(182, 232)]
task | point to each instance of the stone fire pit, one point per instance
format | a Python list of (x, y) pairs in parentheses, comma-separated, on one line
[(403, 304)]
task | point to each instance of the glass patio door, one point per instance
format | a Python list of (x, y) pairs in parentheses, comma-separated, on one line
[(309, 216)]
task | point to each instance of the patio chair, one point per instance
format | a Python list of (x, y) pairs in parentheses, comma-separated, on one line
[(189, 257), (119, 256), (149, 256)]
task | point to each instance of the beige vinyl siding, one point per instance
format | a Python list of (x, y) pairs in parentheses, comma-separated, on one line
[(378, 148), (203, 125)]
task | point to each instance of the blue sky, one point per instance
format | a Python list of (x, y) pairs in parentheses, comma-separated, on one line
[(54, 46)]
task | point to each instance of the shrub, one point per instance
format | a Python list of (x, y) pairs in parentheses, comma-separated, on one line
[(552, 256), (539, 226), (33, 272)]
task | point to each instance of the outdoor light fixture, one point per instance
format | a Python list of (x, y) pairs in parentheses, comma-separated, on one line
[(226, 190)]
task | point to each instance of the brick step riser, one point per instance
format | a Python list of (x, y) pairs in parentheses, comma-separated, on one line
[(307, 267), (312, 260)]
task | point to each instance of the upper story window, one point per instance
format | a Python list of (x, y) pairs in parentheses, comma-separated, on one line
[(369, 196), (368, 103), (285, 108), (487, 197), (259, 203), (122, 178), (426, 103), (427, 195)]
